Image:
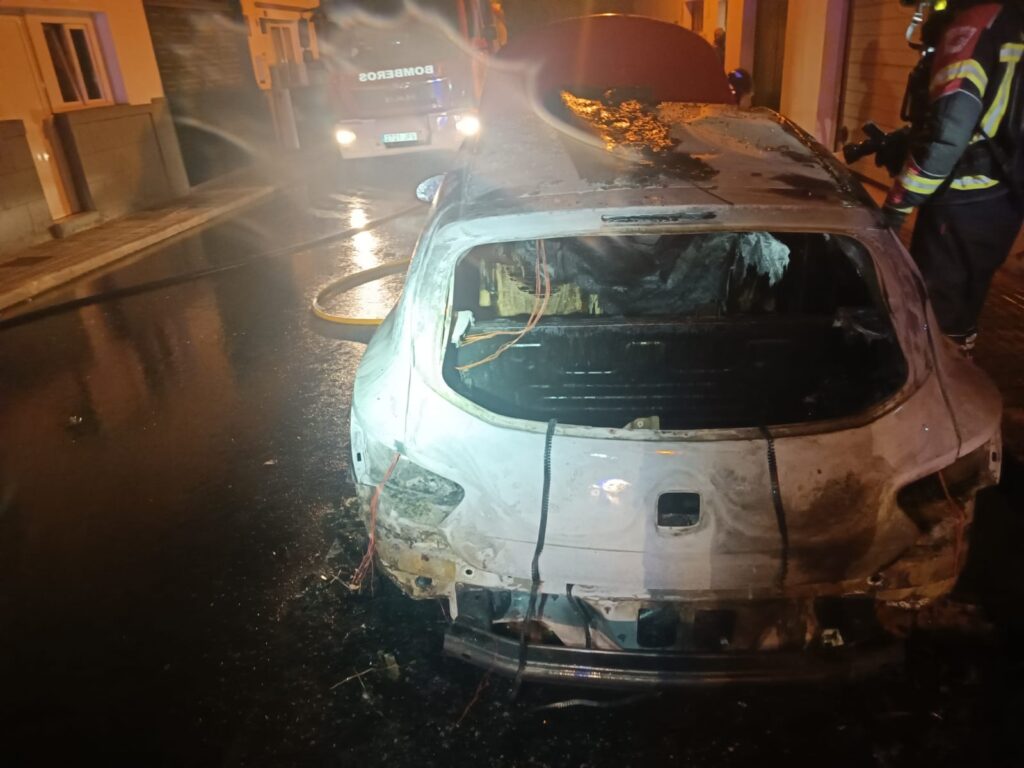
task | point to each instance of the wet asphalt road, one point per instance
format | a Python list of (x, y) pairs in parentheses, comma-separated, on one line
[(174, 543)]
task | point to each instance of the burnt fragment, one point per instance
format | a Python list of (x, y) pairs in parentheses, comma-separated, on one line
[(632, 129)]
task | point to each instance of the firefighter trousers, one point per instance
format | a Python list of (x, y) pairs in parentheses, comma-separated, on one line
[(958, 247)]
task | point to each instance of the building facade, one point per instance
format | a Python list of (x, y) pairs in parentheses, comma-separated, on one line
[(795, 50), (202, 51), (85, 131), (829, 65), (877, 63), (285, 57), (233, 71), (111, 106)]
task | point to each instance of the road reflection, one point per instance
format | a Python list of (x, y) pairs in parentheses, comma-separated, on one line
[(165, 461)]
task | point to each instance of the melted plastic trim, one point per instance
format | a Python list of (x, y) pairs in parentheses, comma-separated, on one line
[(659, 218)]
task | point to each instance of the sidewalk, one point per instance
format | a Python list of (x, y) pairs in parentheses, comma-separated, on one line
[(28, 273)]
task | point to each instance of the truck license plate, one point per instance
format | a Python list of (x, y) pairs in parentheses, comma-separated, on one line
[(400, 138)]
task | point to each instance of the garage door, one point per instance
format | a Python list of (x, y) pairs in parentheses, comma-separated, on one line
[(878, 61)]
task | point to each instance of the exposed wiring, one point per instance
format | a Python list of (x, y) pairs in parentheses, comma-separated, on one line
[(535, 565), (940, 376), (540, 259), (542, 294), (961, 523), (365, 567), (780, 510), (484, 682), (937, 365)]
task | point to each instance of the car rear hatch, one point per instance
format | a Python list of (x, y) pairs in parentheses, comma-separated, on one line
[(716, 397), (674, 332), (725, 411)]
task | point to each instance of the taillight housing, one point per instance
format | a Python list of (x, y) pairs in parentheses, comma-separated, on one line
[(412, 494), (924, 500)]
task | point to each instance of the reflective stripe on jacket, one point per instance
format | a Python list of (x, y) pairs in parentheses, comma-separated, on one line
[(974, 74)]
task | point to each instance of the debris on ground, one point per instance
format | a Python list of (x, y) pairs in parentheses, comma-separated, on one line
[(389, 666), (476, 697), (356, 676)]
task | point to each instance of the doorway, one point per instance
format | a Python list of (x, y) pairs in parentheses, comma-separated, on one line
[(769, 52), (24, 98)]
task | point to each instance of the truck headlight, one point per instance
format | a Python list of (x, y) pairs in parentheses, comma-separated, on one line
[(468, 125), (344, 136)]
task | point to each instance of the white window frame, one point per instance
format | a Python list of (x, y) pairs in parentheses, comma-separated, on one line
[(67, 23)]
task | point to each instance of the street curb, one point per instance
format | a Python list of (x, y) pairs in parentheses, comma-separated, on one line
[(33, 287)]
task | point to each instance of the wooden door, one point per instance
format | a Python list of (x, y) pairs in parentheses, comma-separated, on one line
[(769, 52)]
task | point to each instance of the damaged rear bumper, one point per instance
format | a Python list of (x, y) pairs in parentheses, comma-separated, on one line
[(644, 669), (670, 644)]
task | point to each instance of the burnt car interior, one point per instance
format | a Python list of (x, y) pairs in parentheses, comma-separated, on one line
[(672, 331)]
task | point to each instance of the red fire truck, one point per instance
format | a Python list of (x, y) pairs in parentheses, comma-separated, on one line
[(408, 83)]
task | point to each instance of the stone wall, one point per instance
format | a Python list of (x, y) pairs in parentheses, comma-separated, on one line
[(201, 46), (222, 119), (123, 158)]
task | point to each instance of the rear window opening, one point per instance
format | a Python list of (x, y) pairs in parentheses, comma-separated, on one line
[(694, 331)]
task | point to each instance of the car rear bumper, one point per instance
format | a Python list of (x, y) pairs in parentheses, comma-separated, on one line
[(645, 669)]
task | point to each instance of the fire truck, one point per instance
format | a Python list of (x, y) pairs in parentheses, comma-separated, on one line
[(409, 83)]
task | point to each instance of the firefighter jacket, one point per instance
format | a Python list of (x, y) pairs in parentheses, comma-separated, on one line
[(974, 79)]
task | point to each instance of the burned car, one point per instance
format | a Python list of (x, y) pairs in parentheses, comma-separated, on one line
[(663, 402)]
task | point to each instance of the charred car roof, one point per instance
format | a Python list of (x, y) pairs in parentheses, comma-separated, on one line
[(610, 152)]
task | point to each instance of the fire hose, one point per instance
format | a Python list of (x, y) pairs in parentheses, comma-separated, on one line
[(347, 283), (338, 286)]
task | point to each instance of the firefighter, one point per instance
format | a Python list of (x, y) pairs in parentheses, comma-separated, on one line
[(961, 170)]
